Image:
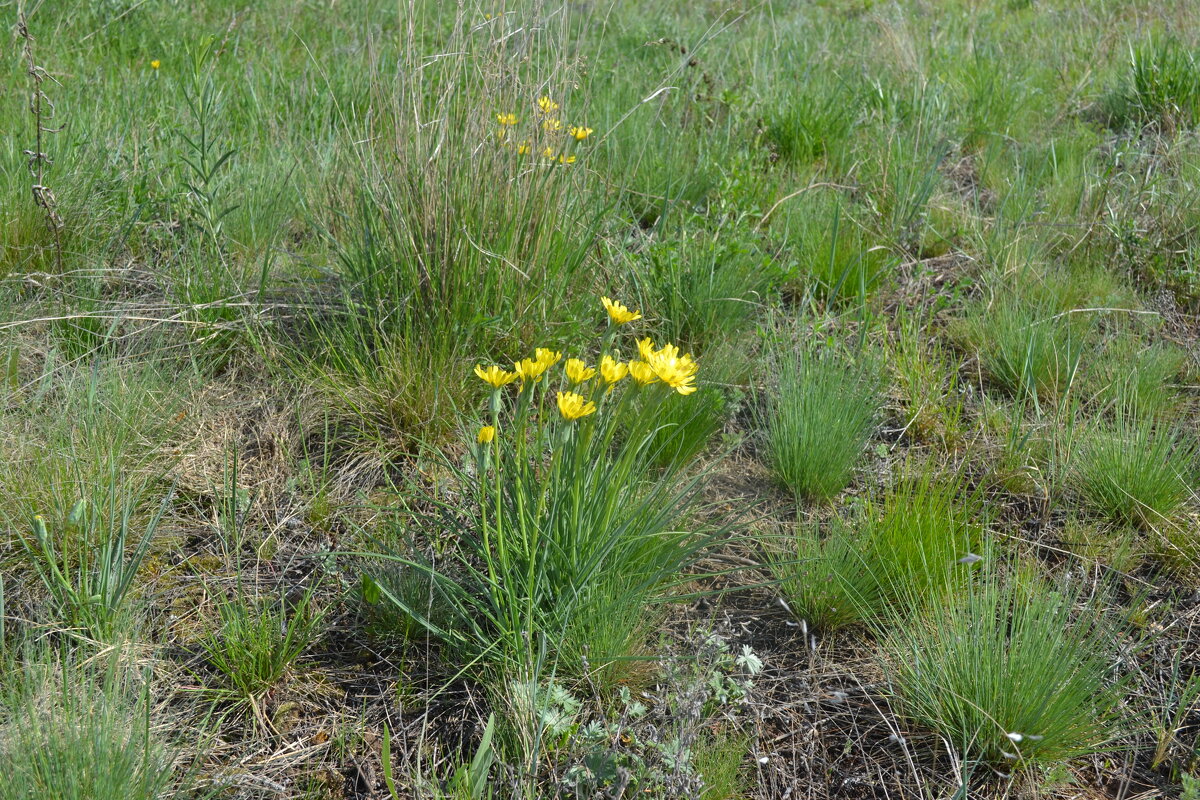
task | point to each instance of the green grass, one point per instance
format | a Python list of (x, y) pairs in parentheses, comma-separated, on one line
[(82, 731), (916, 540), (1024, 348), (1161, 87), (938, 268), (819, 418), (255, 642), (1135, 472), (1007, 674)]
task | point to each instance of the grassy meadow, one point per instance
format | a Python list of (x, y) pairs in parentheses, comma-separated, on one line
[(600, 399)]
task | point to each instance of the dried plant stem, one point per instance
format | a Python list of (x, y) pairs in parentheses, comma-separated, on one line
[(42, 109)]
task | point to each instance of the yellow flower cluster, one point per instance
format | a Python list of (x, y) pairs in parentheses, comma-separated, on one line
[(664, 364), (654, 365), (550, 124)]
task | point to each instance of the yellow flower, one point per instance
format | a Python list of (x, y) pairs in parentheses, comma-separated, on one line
[(678, 372), (572, 406), (547, 356), (496, 376), (486, 434), (566, 159), (612, 370), (646, 348), (618, 312), (641, 372), (523, 148), (579, 132), (552, 125), (548, 152), (532, 369), (547, 105), (155, 64), (506, 119), (578, 372)]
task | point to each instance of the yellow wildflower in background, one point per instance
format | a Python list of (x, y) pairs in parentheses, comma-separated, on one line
[(572, 406), (642, 373), (612, 370), (618, 312), (548, 152), (566, 159), (506, 119), (678, 372), (645, 348), (486, 434), (155, 64), (580, 133), (547, 105), (552, 125), (496, 376), (523, 148), (577, 371), (547, 356)]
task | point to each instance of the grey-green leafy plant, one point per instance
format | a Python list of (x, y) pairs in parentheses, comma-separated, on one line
[(206, 159)]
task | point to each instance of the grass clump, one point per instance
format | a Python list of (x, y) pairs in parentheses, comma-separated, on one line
[(568, 537), (1139, 377), (916, 540), (257, 642), (818, 422), (1161, 88), (831, 255), (1025, 350), (1134, 471), (1007, 673), (79, 732)]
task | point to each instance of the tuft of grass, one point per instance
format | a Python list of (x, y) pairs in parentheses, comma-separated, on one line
[(1027, 351), (706, 286), (825, 578), (812, 123), (82, 732), (909, 543), (1135, 471), (1140, 378), (257, 642), (1161, 88), (831, 254), (818, 421), (1010, 673), (927, 375)]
